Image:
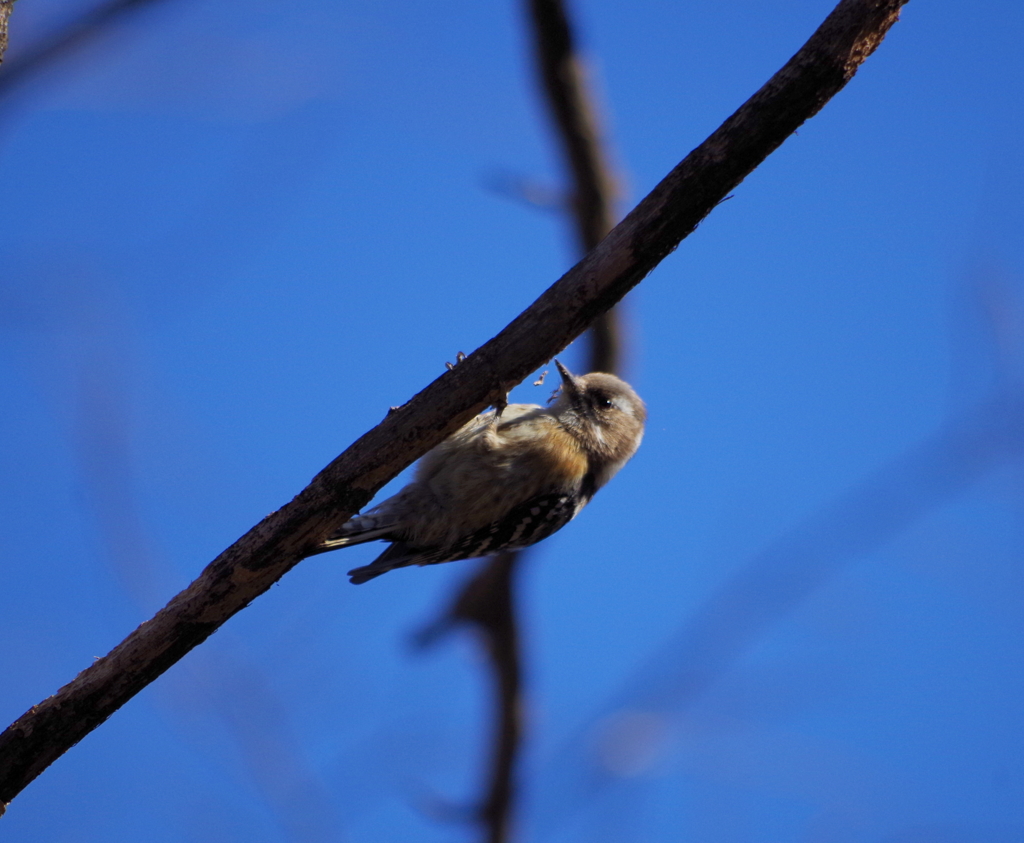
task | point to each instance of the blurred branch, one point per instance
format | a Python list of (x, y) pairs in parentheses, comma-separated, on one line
[(75, 34), (525, 190), (487, 600), (220, 681), (562, 75), (270, 549), (784, 574)]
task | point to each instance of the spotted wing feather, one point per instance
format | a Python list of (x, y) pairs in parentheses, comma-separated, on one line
[(526, 524)]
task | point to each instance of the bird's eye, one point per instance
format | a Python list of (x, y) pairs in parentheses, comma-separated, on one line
[(602, 401)]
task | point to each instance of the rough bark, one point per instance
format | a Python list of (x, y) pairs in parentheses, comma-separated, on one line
[(6, 7)]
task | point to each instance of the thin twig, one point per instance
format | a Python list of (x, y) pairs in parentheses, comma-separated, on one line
[(270, 549)]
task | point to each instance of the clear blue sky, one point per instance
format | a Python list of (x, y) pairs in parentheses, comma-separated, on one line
[(234, 234)]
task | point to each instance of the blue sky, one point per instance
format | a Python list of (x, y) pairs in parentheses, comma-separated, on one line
[(235, 236)]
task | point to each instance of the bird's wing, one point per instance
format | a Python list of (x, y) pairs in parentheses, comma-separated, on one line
[(398, 555), (524, 525)]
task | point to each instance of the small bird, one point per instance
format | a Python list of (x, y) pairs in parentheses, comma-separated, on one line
[(504, 480)]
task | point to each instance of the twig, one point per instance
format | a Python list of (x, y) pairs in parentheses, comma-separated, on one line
[(270, 549)]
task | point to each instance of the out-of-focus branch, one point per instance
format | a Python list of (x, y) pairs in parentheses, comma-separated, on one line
[(220, 681), (270, 549), (562, 74), (79, 31), (487, 599), (779, 578)]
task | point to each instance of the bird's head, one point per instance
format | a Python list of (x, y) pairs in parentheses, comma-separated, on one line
[(603, 412)]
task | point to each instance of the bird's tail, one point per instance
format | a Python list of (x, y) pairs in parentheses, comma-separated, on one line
[(362, 528), (397, 556), (377, 524)]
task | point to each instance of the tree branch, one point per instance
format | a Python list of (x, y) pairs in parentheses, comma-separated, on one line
[(654, 229)]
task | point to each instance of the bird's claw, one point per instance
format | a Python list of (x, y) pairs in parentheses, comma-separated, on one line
[(459, 357)]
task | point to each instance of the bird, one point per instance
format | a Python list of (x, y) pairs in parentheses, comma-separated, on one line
[(505, 480)]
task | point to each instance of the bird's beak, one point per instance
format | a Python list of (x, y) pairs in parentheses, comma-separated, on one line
[(570, 383)]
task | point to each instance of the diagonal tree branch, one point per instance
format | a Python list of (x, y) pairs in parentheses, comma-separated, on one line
[(270, 549)]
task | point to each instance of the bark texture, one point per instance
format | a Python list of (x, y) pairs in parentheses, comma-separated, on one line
[(6, 7)]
